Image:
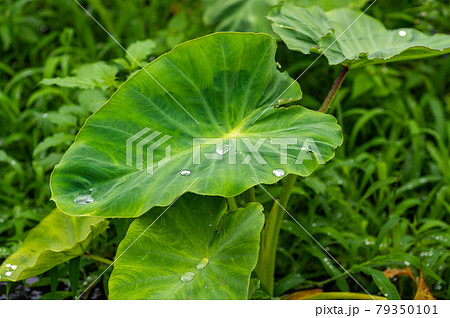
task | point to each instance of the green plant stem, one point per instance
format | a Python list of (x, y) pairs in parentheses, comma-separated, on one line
[(232, 205), (345, 295), (99, 259), (334, 89), (250, 195), (269, 238)]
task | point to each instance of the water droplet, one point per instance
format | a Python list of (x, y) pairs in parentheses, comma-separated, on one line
[(202, 263), (314, 225), (83, 199), (402, 33), (45, 115), (303, 148), (407, 263), (423, 180), (13, 267), (8, 273), (91, 189), (187, 277), (210, 224), (278, 173), (8, 265), (13, 162), (223, 149), (185, 172)]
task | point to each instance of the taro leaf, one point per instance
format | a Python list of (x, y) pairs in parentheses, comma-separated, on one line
[(238, 15), (193, 240), (229, 83), (58, 238), (367, 41)]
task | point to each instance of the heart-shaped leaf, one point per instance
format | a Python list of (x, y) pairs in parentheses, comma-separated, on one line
[(215, 117), (191, 251), (56, 239), (364, 42)]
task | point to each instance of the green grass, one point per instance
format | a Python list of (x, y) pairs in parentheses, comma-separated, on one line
[(382, 202)]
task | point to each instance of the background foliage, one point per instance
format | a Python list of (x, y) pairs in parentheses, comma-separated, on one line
[(382, 202)]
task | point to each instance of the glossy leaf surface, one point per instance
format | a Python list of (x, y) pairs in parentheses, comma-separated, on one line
[(222, 86), (192, 251), (366, 41)]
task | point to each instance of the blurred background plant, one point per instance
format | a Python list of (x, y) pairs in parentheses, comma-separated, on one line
[(382, 202)]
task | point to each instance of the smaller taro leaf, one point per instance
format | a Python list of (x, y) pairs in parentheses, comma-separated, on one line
[(55, 240), (184, 244), (329, 4), (238, 15), (365, 42)]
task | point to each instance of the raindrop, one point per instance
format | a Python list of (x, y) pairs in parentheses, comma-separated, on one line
[(8, 265), (185, 172), (278, 173), (314, 225), (83, 199), (407, 263), (202, 263), (402, 33), (45, 115), (13, 162), (13, 267), (8, 273), (304, 148), (91, 189), (223, 149), (423, 180), (187, 277), (210, 224)]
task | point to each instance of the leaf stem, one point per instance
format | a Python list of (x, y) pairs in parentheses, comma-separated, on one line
[(250, 195), (269, 237), (334, 89), (99, 259), (232, 205)]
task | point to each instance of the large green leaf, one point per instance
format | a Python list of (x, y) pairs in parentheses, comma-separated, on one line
[(367, 41), (193, 251), (229, 83), (238, 15), (56, 239)]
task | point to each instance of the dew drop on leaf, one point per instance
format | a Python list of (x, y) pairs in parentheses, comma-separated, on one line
[(223, 149), (202, 264), (83, 199), (278, 173), (8, 273), (402, 33), (185, 172), (187, 277)]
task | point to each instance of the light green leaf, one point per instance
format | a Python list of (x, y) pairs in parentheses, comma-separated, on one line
[(238, 15), (159, 252), (93, 75), (139, 51), (367, 41), (57, 239), (52, 141), (227, 82)]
